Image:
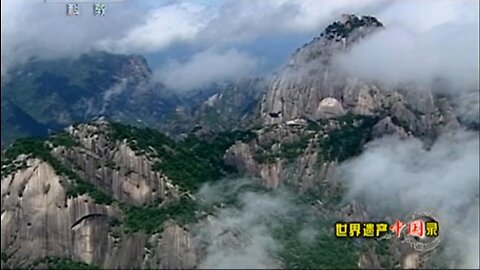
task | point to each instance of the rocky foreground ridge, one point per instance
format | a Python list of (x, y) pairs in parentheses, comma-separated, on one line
[(116, 196)]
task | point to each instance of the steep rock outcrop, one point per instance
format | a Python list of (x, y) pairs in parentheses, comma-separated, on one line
[(114, 167), (387, 127), (281, 154), (329, 107), (39, 220), (312, 86), (174, 248)]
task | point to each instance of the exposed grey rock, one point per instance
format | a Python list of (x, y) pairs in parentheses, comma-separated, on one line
[(329, 107), (114, 167), (387, 127), (240, 155), (310, 81), (174, 248), (369, 260), (38, 220)]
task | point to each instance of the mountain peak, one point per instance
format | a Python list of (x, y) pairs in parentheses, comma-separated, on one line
[(349, 23), (337, 36)]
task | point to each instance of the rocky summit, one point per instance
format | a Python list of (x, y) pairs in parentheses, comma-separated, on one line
[(311, 87)]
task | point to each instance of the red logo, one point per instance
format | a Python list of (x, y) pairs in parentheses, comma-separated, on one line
[(397, 227), (416, 228)]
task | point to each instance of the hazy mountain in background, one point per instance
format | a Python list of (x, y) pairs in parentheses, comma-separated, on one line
[(16, 123), (57, 93)]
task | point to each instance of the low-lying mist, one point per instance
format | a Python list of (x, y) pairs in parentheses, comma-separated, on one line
[(258, 228), (395, 177), (238, 235), (392, 178)]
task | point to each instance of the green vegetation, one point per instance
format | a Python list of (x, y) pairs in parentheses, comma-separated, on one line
[(142, 138), (264, 156), (314, 125), (382, 250), (321, 250), (292, 150), (56, 86), (353, 23), (39, 149), (338, 144), (63, 139), (230, 196), (80, 187), (330, 197), (347, 141), (382, 247), (188, 163), (289, 151), (9, 166), (32, 146), (149, 219), (184, 211), (4, 256), (63, 264)]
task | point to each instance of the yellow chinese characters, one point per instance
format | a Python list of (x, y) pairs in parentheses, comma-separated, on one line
[(431, 228), (381, 228), (341, 229), (358, 229), (354, 229), (369, 230)]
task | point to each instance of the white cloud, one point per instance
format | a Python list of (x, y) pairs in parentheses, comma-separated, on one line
[(40, 29), (238, 237), (422, 16), (162, 27), (395, 177), (206, 67), (439, 33), (230, 21), (36, 28), (312, 14), (422, 41)]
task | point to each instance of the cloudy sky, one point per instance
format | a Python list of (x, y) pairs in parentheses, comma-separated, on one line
[(210, 40)]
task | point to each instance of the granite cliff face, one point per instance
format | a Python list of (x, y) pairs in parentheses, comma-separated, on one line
[(114, 166), (315, 116), (108, 195), (42, 217), (312, 86)]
